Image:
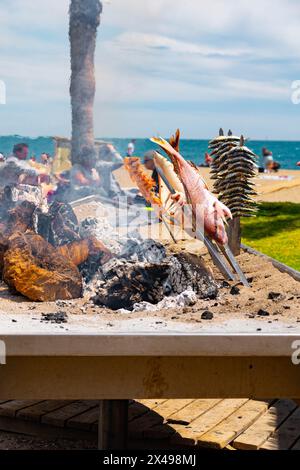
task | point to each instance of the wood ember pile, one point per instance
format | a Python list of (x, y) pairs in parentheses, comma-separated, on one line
[(40, 252), (48, 256), (147, 274)]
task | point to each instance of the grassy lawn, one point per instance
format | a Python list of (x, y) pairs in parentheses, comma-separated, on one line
[(275, 231)]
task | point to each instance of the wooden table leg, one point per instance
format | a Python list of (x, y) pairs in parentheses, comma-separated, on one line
[(113, 425)]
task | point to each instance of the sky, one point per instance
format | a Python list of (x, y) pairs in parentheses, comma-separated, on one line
[(160, 64)]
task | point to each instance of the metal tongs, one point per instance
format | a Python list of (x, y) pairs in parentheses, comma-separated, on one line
[(221, 255)]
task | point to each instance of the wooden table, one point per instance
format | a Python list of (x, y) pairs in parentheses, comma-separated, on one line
[(146, 358)]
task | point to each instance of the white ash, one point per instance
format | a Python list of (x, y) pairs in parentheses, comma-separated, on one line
[(187, 298), (26, 192), (101, 230)]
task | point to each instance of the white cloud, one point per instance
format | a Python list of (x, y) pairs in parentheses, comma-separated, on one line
[(153, 54)]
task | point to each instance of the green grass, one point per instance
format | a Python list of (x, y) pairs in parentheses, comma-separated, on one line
[(275, 231)]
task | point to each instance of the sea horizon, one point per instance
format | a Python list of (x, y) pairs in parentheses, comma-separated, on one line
[(286, 152)]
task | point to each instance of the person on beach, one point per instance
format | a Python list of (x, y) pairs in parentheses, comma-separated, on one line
[(2, 157), (17, 170), (130, 148), (298, 164), (45, 159), (268, 159), (150, 165), (208, 159), (85, 175)]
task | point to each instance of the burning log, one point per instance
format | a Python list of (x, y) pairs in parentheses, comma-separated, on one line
[(59, 225), (38, 271), (79, 251), (18, 218)]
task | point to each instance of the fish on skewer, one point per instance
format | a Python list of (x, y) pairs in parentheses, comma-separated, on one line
[(233, 176), (145, 183), (147, 187), (207, 209)]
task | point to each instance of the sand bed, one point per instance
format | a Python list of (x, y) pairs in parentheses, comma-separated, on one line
[(270, 190), (250, 304)]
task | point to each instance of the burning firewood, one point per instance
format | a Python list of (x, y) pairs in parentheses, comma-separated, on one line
[(37, 270), (79, 251)]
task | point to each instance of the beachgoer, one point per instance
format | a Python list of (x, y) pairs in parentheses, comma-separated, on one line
[(17, 170), (2, 157), (275, 166), (130, 148), (45, 159), (84, 178), (298, 164), (268, 159), (108, 180), (208, 159), (150, 165), (108, 153)]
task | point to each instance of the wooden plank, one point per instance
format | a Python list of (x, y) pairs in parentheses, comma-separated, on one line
[(257, 434), (60, 416), (192, 411), (136, 409), (296, 446), (286, 435), (12, 407), (77, 377), (84, 420), (226, 431), (151, 426), (151, 404), (189, 435), (139, 425), (158, 432), (113, 425), (43, 431), (36, 411), (171, 406)]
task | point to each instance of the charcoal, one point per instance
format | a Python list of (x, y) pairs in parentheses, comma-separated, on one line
[(189, 272), (274, 295), (235, 290), (263, 313), (58, 317), (59, 225), (127, 283), (207, 315)]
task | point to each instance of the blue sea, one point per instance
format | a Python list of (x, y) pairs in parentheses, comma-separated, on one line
[(285, 152)]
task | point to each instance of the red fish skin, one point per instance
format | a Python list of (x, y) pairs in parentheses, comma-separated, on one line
[(209, 212)]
